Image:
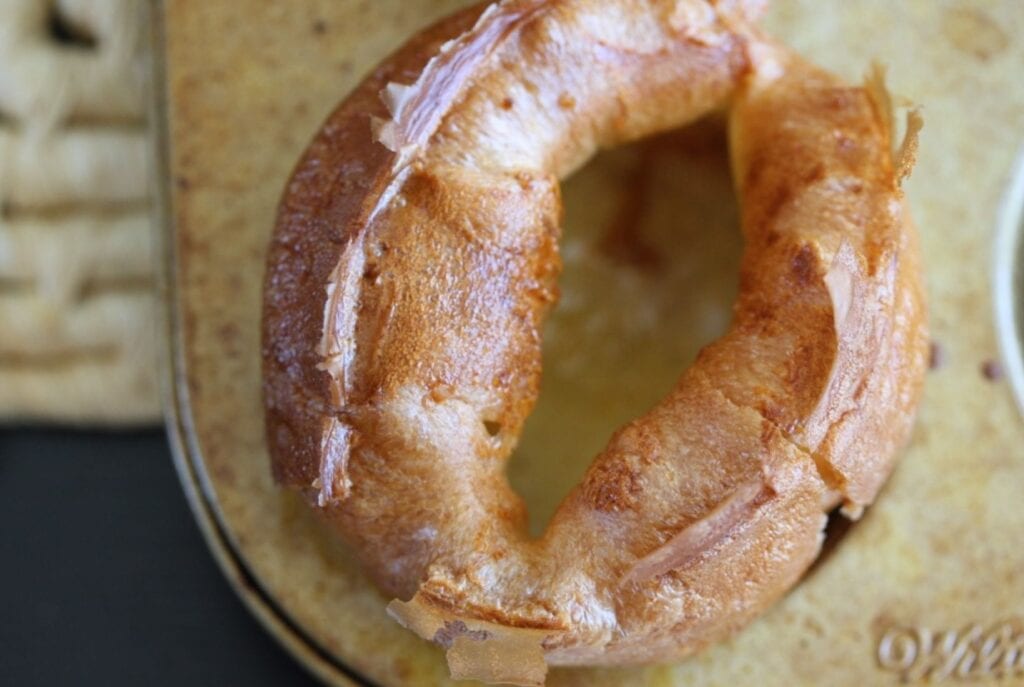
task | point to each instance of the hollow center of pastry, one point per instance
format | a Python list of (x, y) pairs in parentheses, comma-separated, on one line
[(651, 248)]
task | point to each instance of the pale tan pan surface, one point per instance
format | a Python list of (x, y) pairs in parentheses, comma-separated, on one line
[(76, 287), (249, 84)]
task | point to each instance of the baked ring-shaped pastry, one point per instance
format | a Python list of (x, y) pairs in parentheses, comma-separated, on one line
[(416, 254)]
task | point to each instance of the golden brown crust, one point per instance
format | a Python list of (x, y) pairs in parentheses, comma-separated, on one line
[(321, 208), (407, 286)]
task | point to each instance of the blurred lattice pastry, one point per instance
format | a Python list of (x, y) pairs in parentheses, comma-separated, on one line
[(76, 298)]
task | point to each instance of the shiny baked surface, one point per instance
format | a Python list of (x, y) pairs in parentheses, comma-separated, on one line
[(413, 264)]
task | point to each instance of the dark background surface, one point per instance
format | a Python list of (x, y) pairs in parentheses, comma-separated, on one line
[(105, 577)]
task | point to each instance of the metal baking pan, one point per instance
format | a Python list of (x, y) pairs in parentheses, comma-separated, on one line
[(927, 585)]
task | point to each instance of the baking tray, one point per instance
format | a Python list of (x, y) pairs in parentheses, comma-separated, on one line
[(912, 591)]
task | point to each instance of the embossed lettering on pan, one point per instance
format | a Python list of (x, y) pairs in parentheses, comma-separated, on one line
[(919, 654)]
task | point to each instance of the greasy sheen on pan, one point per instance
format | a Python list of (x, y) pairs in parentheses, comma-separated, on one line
[(414, 259)]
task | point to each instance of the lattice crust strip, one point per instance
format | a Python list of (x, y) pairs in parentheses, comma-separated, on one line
[(76, 298)]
